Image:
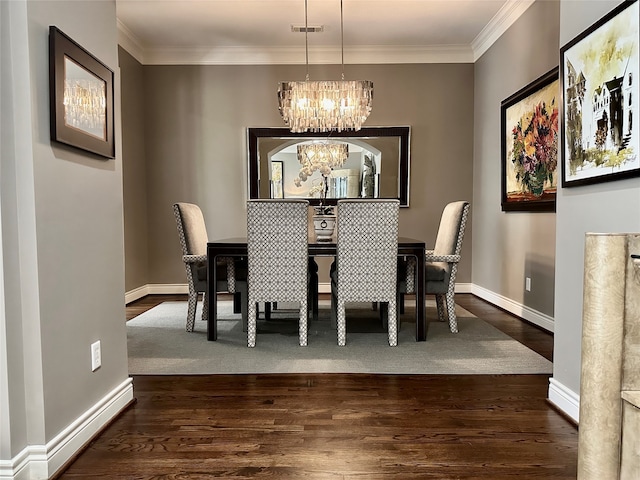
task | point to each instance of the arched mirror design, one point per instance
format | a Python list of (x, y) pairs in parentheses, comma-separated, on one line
[(376, 165)]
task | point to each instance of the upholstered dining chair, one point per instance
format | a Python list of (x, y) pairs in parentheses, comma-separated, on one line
[(441, 265), (192, 233), (277, 248), (366, 263)]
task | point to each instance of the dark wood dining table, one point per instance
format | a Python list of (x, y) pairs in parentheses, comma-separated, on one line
[(237, 247)]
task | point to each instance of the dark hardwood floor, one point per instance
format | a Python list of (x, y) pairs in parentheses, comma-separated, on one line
[(334, 426)]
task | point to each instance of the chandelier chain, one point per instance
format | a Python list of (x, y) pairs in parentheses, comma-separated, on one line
[(341, 38), (306, 38)]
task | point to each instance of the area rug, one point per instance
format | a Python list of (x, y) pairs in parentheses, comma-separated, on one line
[(159, 344)]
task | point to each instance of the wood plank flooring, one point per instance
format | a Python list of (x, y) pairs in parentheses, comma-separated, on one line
[(334, 426)]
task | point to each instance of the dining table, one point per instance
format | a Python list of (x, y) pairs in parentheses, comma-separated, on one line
[(237, 247)]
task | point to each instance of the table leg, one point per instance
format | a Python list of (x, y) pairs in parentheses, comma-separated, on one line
[(212, 322), (421, 319)]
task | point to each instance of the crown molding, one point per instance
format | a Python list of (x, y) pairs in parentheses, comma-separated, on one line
[(500, 23), (131, 43), (371, 54)]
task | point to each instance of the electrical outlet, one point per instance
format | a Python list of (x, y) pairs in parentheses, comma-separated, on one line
[(527, 284), (96, 356)]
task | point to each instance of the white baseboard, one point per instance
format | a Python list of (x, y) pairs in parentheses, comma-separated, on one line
[(522, 311), (172, 289), (155, 289), (135, 294), (40, 462), (565, 399)]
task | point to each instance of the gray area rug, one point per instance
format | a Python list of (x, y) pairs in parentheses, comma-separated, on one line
[(159, 344)]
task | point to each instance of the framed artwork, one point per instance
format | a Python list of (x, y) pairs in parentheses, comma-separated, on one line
[(81, 97), (600, 79), (529, 131), (277, 179)]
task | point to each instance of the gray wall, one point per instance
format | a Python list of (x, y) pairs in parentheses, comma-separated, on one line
[(134, 172), (63, 231), (605, 207), (195, 131), (509, 246)]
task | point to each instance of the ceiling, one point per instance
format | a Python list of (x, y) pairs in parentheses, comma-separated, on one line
[(259, 31)]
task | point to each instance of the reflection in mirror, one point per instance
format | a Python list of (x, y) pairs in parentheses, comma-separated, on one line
[(376, 164)]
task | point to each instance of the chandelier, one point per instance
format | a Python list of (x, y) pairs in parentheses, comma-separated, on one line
[(323, 106), (320, 156)]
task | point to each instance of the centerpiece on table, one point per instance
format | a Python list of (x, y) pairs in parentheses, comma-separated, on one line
[(321, 156)]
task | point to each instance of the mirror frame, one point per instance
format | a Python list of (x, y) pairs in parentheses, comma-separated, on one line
[(254, 134)]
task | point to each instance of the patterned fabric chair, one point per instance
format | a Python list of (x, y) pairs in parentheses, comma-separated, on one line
[(366, 262), (441, 263), (192, 232), (277, 246)]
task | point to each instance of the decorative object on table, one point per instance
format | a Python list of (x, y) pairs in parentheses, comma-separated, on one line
[(366, 266), (192, 232), (323, 106), (322, 157), (324, 219), (442, 263), (600, 78), (277, 179), (529, 131), (369, 178), (81, 97), (277, 248)]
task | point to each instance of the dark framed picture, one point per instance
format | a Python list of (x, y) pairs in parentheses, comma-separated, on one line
[(277, 179), (529, 131), (81, 97), (600, 79)]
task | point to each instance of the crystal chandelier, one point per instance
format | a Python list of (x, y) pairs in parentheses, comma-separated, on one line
[(323, 106), (320, 156)]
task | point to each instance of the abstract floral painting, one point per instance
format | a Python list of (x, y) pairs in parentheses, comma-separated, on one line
[(530, 146), (600, 78)]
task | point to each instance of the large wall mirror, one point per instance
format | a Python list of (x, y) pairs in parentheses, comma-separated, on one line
[(377, 165)]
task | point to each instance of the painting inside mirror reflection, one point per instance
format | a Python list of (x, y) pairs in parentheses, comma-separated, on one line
[(374, 166)]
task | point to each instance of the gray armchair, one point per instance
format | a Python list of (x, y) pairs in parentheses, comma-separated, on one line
[(441, 263), (192, 233)]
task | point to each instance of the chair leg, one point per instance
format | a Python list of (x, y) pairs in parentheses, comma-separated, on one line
[(191, 311), (392, 311), (267, 311), (237, 301), (442, 313), (401, 302), (451, 310), (313, 288), (205, 307), (302, 326), (241, 290), (341, 324), (384, 314), (315, 299), (334, 310), (251, 323)]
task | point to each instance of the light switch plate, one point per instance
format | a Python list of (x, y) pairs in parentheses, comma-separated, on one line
[(96, 356)]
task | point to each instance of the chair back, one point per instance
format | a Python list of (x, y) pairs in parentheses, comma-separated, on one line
[(451, 230), (367, 249), (277, 248), (191, 229)]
